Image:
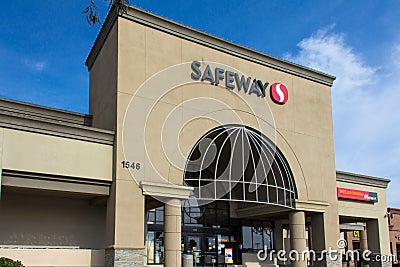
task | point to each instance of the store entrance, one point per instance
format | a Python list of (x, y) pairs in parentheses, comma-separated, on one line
[(211, 235), (210, 250), (204, 254)]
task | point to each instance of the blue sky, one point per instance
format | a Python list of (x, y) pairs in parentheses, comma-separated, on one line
[(44, 44)]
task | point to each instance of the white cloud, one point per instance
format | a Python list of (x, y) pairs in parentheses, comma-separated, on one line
[(35, 65), (396, 56), (366, 108), (39, 66)]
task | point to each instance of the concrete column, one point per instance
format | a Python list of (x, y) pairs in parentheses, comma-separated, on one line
[(172, 233), (363, 246), (363, 240), (318, 232), (125, 243), (318, 243), (373, 236), (297, 224), (374, 242)]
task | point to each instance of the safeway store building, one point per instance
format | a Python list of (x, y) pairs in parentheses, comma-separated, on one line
[(193, 145)]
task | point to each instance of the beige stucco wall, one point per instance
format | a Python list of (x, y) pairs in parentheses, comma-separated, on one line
[(41, 153), (365, 210), (37, 220), (304, 123), (103, 83), (56, 257)]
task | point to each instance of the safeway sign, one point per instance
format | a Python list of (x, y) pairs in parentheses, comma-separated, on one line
[(232, 80)]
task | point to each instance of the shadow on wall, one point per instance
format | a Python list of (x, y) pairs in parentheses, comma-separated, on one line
[(50, 221)]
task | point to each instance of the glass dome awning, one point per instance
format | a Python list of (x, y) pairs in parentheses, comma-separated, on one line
[(238, 163)]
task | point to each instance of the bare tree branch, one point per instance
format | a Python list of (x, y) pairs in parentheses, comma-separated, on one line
[(92, 13)]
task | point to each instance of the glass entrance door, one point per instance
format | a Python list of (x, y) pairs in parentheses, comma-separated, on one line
[(210, 251), (204, 248), (194, 243)]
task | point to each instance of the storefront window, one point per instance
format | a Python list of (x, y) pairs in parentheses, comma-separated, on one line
[(247, 238), (215, 215), (268, 238), (155, 247), (193, 216), (256, 237), (150, 248), (155, 216)]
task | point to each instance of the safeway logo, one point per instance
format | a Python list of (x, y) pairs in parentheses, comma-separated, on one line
[(279, 93)]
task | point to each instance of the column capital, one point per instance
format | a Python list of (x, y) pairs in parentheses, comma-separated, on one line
[(165, 190), (297, 217), (172, 202), (314, 206)]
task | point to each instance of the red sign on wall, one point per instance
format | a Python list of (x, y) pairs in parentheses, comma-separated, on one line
[(279, 93), (354, 194)]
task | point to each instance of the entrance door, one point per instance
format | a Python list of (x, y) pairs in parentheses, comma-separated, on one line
[(210, 251), (356, 247), (194, 244), (204, 248)]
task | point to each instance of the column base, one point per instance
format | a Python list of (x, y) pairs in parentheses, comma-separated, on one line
[(125, 257), (379, 260), (328, 261), (387, 264)]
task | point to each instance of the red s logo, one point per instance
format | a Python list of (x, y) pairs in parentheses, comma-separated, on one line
[(279, 93)]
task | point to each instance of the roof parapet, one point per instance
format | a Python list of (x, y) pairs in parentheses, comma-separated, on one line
[(361, 179), (149, 19)]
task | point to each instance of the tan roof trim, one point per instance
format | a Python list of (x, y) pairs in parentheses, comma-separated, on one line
[(361, 179), (101, 37), (45, 112), (23, 116), (168, 26), (57, 183)]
